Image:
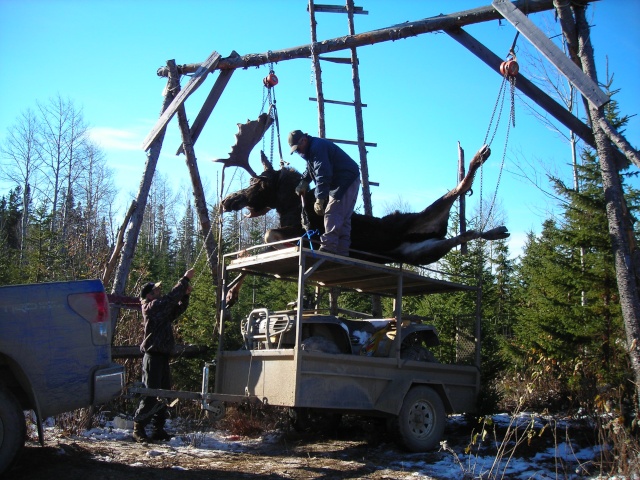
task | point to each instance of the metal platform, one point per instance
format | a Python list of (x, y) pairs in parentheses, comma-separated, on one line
[(329, 270)]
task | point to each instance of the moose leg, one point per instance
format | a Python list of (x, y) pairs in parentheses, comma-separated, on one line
[(432, 250), (434, 219)]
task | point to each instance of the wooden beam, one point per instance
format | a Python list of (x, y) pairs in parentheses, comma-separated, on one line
[(392, 33), (209, 104), (352, 142), (582, 82), (556, 110), (525, 86), (336, 59), (337, 102), (338, 9), (196, 80), (133, 351)]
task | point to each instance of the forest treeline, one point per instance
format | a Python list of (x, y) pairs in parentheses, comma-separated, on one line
[(553, 335)]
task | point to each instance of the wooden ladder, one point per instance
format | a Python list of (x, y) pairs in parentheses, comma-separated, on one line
[(350, 10)]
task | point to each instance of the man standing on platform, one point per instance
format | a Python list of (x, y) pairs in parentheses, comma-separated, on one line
[(337, 178)]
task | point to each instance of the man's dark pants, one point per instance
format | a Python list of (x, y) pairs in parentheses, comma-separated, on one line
[(157, 375)]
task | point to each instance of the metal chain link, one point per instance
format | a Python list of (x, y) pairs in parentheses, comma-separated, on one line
[(499, 100), (512, 121)]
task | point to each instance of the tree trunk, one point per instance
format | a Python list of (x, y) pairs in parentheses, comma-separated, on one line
[(619, 230)]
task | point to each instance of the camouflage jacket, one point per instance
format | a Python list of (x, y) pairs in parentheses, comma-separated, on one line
[(158, 315)]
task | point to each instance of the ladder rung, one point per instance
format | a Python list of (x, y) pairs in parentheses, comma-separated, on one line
[(336, 59), (351, 142), (338, 102), (338, 9)]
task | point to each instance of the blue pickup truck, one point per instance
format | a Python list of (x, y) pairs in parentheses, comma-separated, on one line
[(55, 355)]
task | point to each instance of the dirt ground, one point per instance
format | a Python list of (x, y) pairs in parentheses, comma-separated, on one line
[(355, 450)]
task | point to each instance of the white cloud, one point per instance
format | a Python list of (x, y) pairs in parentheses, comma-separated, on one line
[(516, 243), (116, 139)]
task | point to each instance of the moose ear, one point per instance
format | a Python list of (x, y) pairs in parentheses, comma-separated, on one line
[(265, 162)]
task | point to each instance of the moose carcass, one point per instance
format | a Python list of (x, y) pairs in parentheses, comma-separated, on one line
[(414, 238)]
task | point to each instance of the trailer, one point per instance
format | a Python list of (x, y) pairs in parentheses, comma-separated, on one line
[(315, 362)]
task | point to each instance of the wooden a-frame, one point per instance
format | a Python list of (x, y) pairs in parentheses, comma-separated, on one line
[(451, 24)]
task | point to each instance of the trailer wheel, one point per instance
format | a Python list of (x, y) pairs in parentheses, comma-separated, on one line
[(13, 428), (215, 410), (421, 420)]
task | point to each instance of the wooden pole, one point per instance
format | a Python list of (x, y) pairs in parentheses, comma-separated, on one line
[(392, 33), (153, 153), (317, 71), (209, 104), (362, 149), (463, 210), (198, 191), (111, 264)]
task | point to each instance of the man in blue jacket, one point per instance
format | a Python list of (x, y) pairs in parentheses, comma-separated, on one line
[(337, 179), (158, 314)]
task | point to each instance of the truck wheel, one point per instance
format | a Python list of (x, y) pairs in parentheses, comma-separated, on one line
[(421, 420), (13, 428)]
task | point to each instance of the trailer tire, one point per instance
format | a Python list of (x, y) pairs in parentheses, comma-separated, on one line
[(13, 428), (421, 421)]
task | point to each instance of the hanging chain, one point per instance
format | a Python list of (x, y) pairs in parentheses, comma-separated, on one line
[(512, 121), (499, 101), (511, 78)]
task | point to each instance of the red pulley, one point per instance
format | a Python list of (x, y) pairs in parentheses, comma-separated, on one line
[(509, 68), (270, 80)]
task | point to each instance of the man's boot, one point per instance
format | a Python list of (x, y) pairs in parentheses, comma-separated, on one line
[(158, 433), (139, 435)]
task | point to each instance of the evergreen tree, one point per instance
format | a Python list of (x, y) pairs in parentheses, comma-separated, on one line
[(570, 324), (10, 241)]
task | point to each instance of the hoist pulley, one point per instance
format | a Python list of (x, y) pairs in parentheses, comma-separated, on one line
[(270, 80), (269, 96), (509, 68)]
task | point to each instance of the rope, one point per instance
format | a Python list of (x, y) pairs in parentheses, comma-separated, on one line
[(308, 234), (204, 245)]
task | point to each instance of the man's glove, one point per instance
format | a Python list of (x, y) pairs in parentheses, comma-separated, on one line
[(319, 206), (302, 187)]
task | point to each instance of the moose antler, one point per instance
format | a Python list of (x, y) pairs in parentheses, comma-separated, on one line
[(249, 134)]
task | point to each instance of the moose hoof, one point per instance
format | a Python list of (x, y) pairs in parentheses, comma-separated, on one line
[(498, 233), (481, 156)]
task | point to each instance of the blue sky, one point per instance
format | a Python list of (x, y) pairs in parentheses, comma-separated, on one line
[(424, 94)]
